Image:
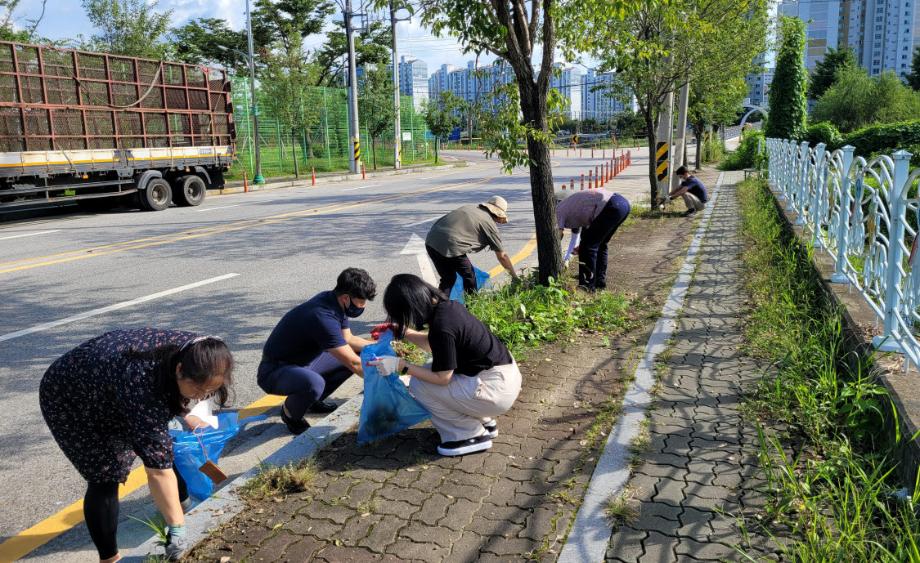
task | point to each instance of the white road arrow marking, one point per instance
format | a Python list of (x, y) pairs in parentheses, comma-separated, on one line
[(416, 246)]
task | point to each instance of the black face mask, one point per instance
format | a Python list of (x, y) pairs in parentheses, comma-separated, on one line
[(353, 311)]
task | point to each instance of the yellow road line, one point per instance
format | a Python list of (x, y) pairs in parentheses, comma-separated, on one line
[(159, 240), (32, 538)]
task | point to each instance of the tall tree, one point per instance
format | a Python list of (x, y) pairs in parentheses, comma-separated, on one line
[(658, 45), (210, 41), (826, 71), (914, 77), (857, 100), (9, 31), (129, 27), (788, 106), (516, 30), (277, 22), (372, 48), (376, 106), (442, 115)]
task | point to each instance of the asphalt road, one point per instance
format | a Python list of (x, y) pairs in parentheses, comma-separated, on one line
[(231, 267)]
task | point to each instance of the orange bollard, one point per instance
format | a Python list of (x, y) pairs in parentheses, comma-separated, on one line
[(592, 153), (582, 181), (245, 183), (363, 172), (313, 175), (590, 180), (597, 176)]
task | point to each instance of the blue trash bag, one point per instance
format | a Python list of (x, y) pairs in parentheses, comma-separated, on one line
[(188, 455), (456, 292), (388, 408)]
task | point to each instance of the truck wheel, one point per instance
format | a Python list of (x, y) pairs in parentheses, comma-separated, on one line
[(156, 196), (189, 191)]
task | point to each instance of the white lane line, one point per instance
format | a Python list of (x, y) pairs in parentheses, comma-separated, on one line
[(110, 308), (359, 187), (216, 208), (29, 234), (417, 223)]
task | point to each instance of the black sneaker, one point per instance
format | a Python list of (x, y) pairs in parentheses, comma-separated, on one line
[(492, 429), (323, 407), (296, 427), (463, 447), (689, 212)]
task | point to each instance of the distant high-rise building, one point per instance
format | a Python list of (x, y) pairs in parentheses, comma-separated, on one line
[(439, 81), (413, 80), (822, 20), (570, 83), (891, 32), (597, 95)]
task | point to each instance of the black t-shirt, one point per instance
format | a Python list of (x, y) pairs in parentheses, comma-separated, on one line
[(460, 342), (307, 330)]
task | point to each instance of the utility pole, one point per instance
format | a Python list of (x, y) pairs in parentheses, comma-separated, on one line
[(354, 159), (663, 147), (253, 109), (680, 142)]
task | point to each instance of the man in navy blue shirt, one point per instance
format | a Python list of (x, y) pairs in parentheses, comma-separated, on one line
[(312, 351), (691, 189)]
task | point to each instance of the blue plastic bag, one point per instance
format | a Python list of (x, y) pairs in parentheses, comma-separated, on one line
[(388, 408), (188, 455), (456, 292)]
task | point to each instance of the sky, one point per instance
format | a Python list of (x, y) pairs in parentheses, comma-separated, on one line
[(66, 18)]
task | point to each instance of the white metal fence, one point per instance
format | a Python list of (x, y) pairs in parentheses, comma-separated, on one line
[(865, 214)]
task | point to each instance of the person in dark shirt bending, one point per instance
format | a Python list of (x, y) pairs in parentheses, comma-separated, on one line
[(691, 189), (472, 378), (312, 351)]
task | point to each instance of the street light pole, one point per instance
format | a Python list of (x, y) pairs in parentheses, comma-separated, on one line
[(354, 159), (258, 178), (397, 126)]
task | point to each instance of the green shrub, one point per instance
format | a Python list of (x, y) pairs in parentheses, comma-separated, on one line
[(823, 132), (886, 138), (747, 154), (713, 148)]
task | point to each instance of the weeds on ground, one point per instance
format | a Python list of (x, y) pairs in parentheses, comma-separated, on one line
[(526, 314), (279, 480), (831, 472), (621, 508)]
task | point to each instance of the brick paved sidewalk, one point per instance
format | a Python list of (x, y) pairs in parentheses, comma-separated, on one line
[(700, 473)]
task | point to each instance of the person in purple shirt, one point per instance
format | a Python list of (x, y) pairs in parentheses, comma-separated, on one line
[(596, 214), (312, 350), (691, 189)]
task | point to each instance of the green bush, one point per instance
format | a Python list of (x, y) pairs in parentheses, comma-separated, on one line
[(857, 100), (886, 138), (823, 132), (747, 154)]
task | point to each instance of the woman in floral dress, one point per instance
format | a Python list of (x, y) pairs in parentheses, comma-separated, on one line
[(110, 400)]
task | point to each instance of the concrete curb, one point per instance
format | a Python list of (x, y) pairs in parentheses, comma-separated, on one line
[(226, 502), (237, 186), (587, 542)]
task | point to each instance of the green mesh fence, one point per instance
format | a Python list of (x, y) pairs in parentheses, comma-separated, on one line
[(323, 143)]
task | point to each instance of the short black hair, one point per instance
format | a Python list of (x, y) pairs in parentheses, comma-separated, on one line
[(681, 171), (409, 301), (356, 283)]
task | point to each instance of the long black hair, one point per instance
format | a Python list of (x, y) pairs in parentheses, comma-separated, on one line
[(410, 302), (202, 358)]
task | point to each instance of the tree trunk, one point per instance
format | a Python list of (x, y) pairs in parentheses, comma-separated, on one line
[(374, 152), (437, 146), (533, 106), (309, 140), (650, 134)]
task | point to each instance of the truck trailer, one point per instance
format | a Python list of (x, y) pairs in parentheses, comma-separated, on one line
[(90, 127)]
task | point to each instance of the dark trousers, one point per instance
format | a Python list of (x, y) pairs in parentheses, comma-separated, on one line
[(592, 250), (302, 385), (448, 268)]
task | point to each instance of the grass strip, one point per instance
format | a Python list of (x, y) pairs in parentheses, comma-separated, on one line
[(826, 444)]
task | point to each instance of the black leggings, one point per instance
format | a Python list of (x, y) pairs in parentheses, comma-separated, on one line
[(100, 510)]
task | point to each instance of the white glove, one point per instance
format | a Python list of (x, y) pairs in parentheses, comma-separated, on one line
[(386, 364)]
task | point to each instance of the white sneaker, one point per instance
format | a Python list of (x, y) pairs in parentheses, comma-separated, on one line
[(492, 429), (463, 447)]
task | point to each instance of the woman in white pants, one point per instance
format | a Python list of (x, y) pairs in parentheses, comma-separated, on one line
[(472, 378)]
